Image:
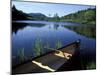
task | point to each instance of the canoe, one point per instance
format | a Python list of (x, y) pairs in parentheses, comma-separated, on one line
[(49, 62)]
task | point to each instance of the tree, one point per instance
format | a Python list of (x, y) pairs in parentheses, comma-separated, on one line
[(56, 17)]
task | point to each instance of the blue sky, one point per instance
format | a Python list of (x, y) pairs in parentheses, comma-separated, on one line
[(48, 8)]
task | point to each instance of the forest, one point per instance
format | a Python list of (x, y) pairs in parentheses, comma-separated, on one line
[(84, 16)]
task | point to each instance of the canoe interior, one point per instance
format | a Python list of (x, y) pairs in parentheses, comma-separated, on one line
[(49, 62)]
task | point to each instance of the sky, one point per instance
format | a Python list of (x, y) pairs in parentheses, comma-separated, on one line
[(49, 8)]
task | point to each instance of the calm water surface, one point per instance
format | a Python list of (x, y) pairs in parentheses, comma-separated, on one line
[(25, 33)]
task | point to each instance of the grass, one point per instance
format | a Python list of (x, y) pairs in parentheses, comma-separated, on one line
[(21, 55), (91, 65), (86, 64), (58, 44), (38, 47)]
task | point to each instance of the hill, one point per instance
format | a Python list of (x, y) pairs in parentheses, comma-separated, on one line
[(19, 15), (87, 16), (38, 16)]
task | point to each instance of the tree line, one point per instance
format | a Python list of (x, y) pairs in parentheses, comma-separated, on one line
[(84, 16)]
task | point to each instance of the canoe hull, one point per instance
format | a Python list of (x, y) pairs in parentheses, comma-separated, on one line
[(49, 62)]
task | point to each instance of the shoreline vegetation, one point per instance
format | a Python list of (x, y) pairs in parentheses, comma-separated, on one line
[(87, 16)]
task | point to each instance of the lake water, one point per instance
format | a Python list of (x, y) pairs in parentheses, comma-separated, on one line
[(25, 34)]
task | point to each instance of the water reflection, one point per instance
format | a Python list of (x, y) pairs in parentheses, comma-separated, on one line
[(19, 26), (88, 31), (56, 26), (38, 25)]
